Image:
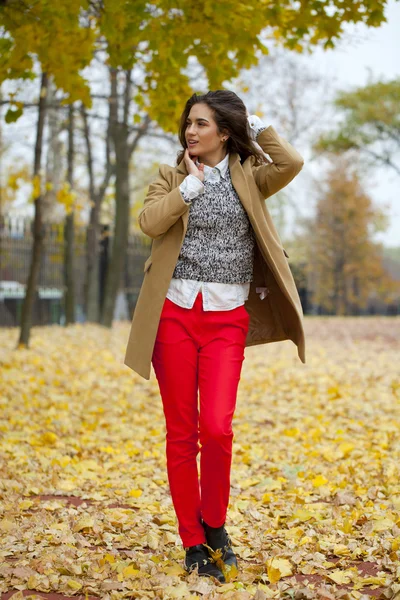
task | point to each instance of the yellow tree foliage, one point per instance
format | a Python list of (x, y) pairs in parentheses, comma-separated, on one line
[(68, 198), (346, 264), (55, 34), (224, 37), (15, 177)]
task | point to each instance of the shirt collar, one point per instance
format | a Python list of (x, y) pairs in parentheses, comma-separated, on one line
[(221, 166)]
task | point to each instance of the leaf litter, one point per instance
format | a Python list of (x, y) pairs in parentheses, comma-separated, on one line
[(315, 489)]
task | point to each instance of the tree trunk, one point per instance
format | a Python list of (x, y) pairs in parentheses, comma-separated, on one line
[(54, 159), (38, 230), (119, 134), (93, 239), (69, 232)]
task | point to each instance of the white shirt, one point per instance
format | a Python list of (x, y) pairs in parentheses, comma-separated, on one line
[(216, 295)]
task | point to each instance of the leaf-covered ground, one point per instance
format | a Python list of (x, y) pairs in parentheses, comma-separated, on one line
[(315, 499)]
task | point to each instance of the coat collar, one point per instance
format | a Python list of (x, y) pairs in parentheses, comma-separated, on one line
[(222, 167), (239, 182), (234, 157)]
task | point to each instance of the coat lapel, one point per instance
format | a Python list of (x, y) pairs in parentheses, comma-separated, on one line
[(239, 182)]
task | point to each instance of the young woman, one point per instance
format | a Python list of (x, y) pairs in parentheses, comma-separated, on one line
[(217, 281)]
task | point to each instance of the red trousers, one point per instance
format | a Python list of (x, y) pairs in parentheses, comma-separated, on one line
[(199, 352)]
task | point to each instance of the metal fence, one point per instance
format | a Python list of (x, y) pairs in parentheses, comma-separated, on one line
[(16, 242)]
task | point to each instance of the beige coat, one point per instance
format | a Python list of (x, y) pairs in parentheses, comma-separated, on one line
[(164, 218)]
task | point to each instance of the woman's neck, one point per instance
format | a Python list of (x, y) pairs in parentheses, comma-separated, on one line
[(211, 160)]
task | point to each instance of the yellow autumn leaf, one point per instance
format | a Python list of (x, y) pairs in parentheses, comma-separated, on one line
[(32, 583), (247, 483), (291, 432), (63, 461), (109, 558), (178, 591), (319, 480), (370, 580), (341, 577), (175, 569), (48, 438), (67, 485), (230, 571), (25, 504), (152, 540), (302, 514), (7, 525), (347, 526), (341, 550), (382, 524), (130, 571), (294, 533), (74, 585), (278, 568), (346, 448), (84, 523)]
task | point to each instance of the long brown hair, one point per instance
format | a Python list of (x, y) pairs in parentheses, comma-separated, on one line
[(230, 116)]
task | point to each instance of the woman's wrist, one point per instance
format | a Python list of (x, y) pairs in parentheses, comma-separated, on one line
[(191, 187)]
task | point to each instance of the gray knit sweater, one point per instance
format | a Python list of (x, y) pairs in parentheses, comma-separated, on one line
[(219, 242)]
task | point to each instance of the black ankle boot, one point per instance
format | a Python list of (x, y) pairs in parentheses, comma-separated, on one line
[(218, 539), (197, 556)]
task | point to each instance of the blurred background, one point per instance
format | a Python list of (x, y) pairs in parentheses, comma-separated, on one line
[(91, 95)]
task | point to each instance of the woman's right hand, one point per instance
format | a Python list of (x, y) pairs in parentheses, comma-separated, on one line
[(192, 168)]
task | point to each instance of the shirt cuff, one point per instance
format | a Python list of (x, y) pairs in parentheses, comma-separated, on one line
[(191, 187), (256, 126)]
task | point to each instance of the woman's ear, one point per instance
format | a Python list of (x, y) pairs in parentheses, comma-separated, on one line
[(224, 136)]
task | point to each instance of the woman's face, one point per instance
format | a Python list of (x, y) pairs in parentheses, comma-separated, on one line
[(202, 129)]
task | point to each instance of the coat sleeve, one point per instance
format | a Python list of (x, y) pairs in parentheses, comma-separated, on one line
[(162, 206), (287, 163)]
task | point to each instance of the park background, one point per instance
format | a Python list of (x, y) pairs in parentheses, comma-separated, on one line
[(91, 94)]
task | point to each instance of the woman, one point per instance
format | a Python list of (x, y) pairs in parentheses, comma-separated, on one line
[(217, 281)]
